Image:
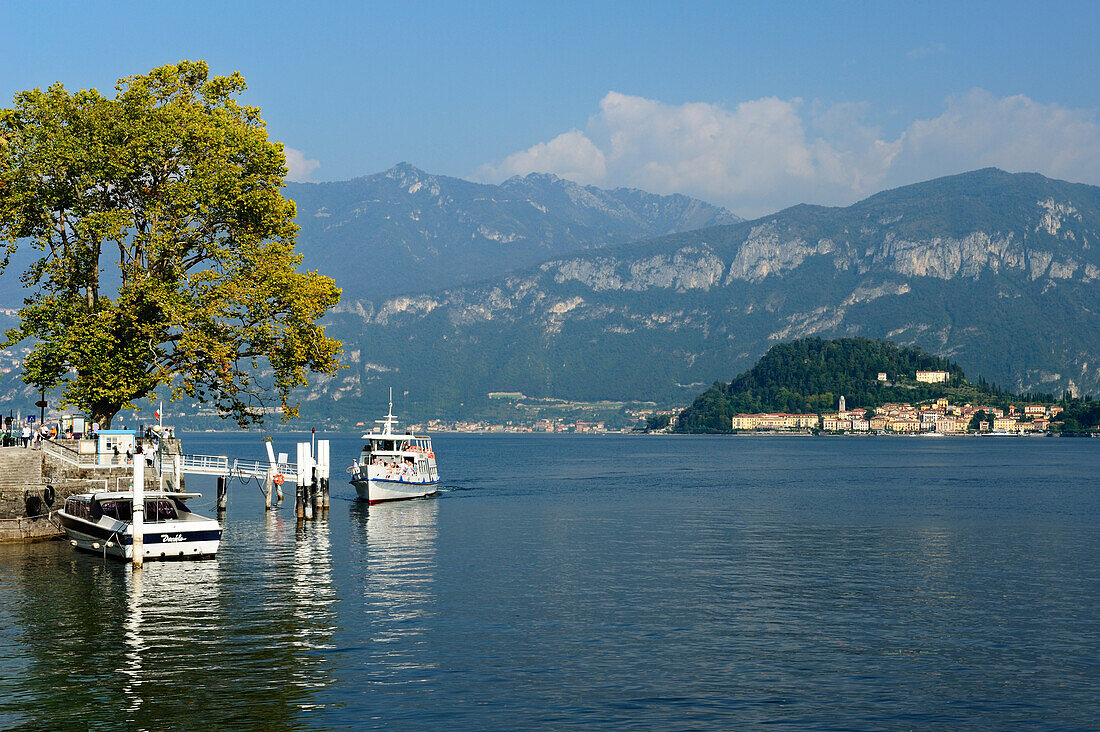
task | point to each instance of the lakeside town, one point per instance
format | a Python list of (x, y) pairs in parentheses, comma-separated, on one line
[(936, 416)]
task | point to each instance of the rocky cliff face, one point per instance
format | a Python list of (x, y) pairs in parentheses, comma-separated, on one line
[(996, 271)]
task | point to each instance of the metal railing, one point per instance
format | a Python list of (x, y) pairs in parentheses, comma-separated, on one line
[(259, 468), (205, 464), (81, 459), (218, 465)]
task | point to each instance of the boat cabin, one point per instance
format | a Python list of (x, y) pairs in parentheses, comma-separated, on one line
[(406, 454), (158, 509)]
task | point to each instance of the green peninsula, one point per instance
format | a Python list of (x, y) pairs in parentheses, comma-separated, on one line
[(809, 376)]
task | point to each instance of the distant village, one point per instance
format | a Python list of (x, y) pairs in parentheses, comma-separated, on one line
[(559, 425), (938, 417)]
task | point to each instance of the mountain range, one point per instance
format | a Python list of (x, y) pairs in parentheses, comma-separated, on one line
[(405, 230), (455, 289), (993, 270)]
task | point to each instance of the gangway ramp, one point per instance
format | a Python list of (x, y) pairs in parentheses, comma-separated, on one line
[(223, 466)]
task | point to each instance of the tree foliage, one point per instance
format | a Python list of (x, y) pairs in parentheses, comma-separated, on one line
[(166, 246), (1081, 415)]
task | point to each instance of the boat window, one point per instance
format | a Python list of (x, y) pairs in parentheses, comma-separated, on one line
[(160, 509), (77, 507), (116, 509)]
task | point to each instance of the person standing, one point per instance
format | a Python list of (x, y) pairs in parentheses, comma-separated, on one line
[(26, 435)]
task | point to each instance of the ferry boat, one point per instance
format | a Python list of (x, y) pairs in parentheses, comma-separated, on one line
[(394, 465), (102, 523)]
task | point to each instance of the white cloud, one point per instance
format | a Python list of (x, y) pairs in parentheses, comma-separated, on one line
[(765, 154), (1016, 133), (571, 155), (299, 167)]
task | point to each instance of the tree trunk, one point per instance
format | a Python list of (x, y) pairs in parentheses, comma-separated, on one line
[(104, 413)]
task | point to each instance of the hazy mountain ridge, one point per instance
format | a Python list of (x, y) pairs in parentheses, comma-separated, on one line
[(405, 230), (994, 270)]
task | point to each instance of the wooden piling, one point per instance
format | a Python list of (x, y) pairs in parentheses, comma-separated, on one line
[(223, 493)]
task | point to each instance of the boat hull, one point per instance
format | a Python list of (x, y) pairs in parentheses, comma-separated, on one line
[(171, 540), (379, 491)]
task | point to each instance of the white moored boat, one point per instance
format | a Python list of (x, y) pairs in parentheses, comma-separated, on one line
[(394, 465), (103, 523)]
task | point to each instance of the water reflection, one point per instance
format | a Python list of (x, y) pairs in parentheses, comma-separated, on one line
[(237, 642), (166, 604), (396, 543)]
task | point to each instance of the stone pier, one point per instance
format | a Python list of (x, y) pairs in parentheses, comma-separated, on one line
[(24, 477)]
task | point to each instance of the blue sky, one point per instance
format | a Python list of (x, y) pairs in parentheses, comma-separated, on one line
[(753, 106)]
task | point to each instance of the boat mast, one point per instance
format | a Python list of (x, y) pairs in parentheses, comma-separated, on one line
[(391, 419)]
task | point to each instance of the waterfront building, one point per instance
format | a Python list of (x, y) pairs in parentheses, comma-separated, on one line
[(947, 425), (773, 421), (744, 422)]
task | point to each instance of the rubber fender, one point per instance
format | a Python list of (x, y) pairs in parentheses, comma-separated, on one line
[(35, 506)]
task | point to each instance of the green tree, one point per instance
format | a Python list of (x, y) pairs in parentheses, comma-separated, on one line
[(979, 417), (175, 186), (657, 422)]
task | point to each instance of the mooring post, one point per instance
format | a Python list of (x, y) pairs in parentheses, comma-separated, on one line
[(272, 468), (323, 461), (299, 509), (315, 489), (223, 493), (269, 484), (279, 488), (177, 471), (305, 473), (138, 513)]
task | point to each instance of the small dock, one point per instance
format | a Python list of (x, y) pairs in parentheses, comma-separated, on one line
[(34, 483)]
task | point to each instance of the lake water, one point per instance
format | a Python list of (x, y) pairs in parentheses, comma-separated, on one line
[(599, 582)]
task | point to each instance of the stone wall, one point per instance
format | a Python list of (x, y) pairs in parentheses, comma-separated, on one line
[(23, 471)]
